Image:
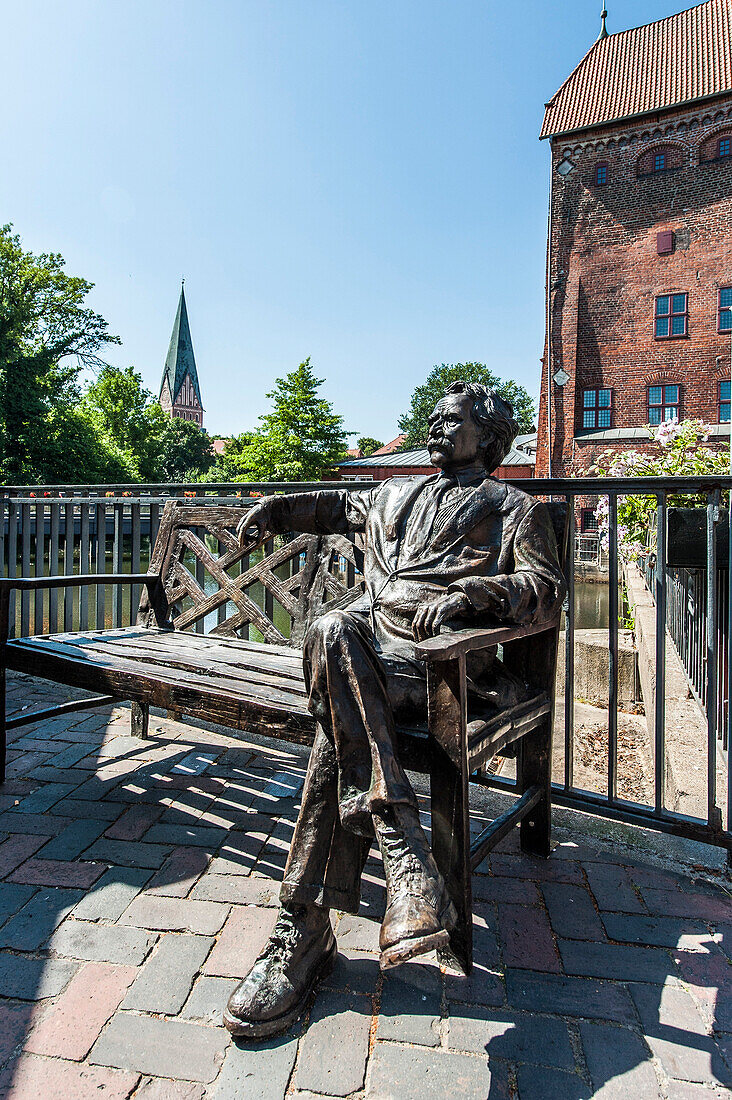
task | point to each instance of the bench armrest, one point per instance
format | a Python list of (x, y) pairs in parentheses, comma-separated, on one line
[(34, 584), (443, 647)]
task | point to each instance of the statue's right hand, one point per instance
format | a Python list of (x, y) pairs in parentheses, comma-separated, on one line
[(254, 525)]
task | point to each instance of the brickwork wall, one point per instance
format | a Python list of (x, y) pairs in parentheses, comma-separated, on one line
[(604, 273)]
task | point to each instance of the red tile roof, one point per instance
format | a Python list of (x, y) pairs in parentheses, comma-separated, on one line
[(675, 60), (389, 447)]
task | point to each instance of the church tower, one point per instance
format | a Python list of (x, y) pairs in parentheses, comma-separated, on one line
[(180, 393)]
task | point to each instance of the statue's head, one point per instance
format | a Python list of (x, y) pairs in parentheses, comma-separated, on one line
[(470, 424)]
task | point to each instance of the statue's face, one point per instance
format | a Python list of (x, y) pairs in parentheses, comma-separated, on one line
[(454, 438)]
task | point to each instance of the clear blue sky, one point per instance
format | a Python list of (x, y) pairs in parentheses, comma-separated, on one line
[(355, 180)]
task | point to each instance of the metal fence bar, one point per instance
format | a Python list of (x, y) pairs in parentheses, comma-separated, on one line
[(569, 653), (68, 565), (660, 701), (101, 563), (25, 554), (118, 563), (711, 662), (612, 716), (135, 552), (84, 551), (12, 559), (53, 559), (38, 556)]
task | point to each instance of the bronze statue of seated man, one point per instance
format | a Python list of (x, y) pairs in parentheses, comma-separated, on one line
[(458, 547)]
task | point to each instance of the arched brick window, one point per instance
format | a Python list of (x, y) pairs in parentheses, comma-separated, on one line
[(716, 147), (661, 158)]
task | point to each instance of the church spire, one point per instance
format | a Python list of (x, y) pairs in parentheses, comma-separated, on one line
[(603, 28), (180, 391)]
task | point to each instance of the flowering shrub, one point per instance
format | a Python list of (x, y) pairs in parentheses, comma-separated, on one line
[(681, 454)]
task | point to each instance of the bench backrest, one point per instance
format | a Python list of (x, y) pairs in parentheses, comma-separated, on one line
[(272, 593)]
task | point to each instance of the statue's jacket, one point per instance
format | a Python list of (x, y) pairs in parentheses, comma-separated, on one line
[(491, 542)]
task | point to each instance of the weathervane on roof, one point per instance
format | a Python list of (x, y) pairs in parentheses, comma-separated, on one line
[(603, 28)]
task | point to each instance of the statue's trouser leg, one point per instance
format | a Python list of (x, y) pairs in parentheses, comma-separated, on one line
[(353, 767)]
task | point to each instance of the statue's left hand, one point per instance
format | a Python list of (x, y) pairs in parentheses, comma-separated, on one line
[(430, 616)]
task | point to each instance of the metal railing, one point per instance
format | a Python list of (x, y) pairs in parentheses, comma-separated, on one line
[(91, 529)]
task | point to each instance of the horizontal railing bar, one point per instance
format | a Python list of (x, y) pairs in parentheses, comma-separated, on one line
[(30, 584), (502, 825), (63, 708)]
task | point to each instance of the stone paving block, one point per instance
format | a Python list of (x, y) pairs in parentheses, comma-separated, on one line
[(57, 872), (165, 980), (482, 987), (161, 1048), (569, 996), (35, 922), (708, 975), (505, 890), (36, 1078), (208, 999), (656, 931), (96, 811), (48, 825), (512, 1036), (112, 893), (674, 903), (240, 941), (534, 868), (355, 972), (571, 912), (240, 851), (29, 979), (178, 835), (70, 1027), (13, 897), (619, 1063), (260, 1070), (541, 1083), (358, 934), (607, 960), (175, 914), (74, 840), (134, 822), (334, 1049), (16, 850), (527, 938), (686, 1090), (179, 872), (413, 1073), (161, 1088), (410, 1008), (127, 853), (70, 756), (80, 939), (236, 889), (613, 888), (677, 1035), (15, 1021), (45, 797)]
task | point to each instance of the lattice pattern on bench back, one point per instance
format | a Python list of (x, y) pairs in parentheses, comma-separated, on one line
[(272, 592)]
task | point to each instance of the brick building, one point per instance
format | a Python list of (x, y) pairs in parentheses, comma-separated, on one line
[(180, 392), (639, 260)]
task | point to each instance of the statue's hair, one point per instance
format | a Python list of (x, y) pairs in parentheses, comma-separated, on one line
[(493, 413)]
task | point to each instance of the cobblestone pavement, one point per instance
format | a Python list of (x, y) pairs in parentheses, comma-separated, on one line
[(138, 881)]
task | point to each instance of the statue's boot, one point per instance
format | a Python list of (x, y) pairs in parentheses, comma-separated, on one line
[(419, 913), (300, 952)]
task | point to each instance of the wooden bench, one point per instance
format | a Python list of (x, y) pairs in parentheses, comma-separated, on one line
[(204, 647)]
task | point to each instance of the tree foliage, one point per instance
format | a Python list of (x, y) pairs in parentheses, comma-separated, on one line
[(301, 439), (367, 445), (46, 336), (414, 422)]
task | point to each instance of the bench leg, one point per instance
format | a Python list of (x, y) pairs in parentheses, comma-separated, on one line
[(449, 802), (535, 767), (140, 721)]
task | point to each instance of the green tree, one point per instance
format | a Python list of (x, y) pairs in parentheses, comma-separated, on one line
[(414, 422), (187, 453), (129, 420), (46, 336), (367, 445), (230, 465), (302, 438)]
